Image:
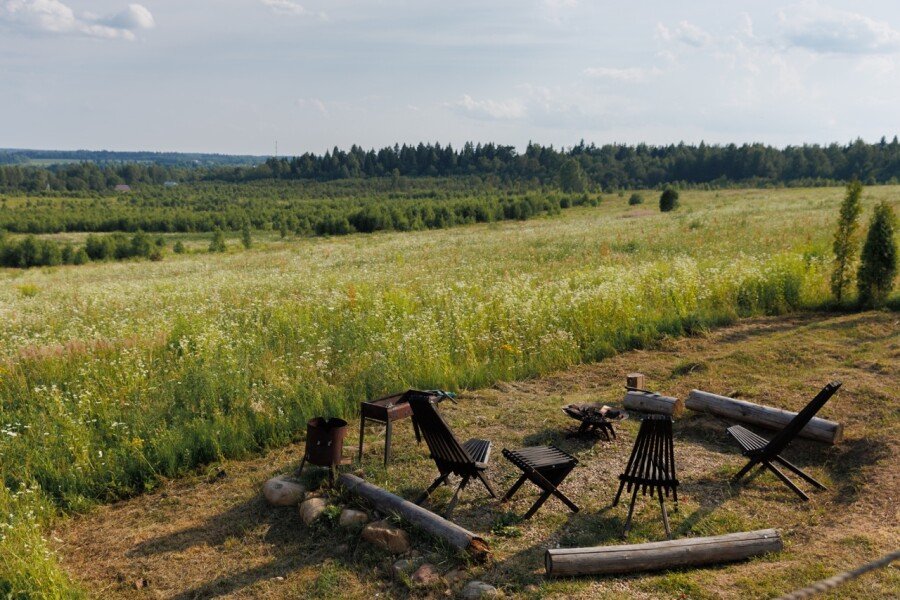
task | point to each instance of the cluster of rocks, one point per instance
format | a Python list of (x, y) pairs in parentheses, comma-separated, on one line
[(412, 566)]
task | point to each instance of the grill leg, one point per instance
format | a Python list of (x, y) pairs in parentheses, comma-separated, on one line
[(299, 470), (432, 487), (387, 443), (362, 432), (665, 515), (514, 488), (630, 512)]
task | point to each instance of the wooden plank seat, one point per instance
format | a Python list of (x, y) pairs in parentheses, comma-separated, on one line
[(765, 452), (452, 458), (651, 467), (546, 467)]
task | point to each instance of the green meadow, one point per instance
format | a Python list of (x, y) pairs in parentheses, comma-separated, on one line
[(116, 375)]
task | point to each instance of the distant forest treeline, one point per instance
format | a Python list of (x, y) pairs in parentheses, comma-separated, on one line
[(15, 156), (606, 167)]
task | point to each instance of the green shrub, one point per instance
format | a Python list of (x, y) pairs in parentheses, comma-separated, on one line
[(878, 268), (668, 200), (635, 199), (217, 244)]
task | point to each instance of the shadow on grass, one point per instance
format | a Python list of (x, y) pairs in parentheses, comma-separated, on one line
[(845, 466)]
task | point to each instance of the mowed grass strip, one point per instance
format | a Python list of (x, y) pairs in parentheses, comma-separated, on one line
[(204, 535)]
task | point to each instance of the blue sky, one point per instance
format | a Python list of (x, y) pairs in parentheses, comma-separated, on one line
[(233, 76)]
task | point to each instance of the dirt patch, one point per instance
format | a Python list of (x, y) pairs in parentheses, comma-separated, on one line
[(206, 536), (638, 213)]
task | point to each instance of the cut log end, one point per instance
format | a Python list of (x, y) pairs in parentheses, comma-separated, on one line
[(650, 402), (479, 549)]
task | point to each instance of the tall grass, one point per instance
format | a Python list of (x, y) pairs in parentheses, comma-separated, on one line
[(115, 375)]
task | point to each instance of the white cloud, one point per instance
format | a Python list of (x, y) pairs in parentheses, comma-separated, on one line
[(314, 104), (824, 29), (53, 16), (556, 10), (632, 74), (134, 17), (491, 109), (287, 7), (685, 32)]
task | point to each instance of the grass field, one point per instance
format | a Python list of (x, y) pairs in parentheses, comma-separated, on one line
[(116, 376), (208, 536)]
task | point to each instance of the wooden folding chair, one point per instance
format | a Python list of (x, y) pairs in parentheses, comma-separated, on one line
[(765, 452), (651, 466), (452, 458), (546, 467)]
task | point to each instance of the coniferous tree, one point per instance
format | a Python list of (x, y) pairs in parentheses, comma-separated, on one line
[(846, 240), (218, 241), (668, 200), (571, 177), (246, 236), (878, 267)]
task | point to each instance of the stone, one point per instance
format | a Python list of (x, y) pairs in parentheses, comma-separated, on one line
[(426, 575), (405, 566), (283, 491), (311, 510), (387, 537), (352, 518), (455, 576), (478, 589)]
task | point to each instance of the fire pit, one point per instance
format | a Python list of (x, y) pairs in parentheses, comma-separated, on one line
[(594, 418), (325, 444)]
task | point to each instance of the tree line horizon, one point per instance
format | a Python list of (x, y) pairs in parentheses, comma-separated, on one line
[(606, 168)]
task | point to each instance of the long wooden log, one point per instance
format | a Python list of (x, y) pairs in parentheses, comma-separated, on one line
[(655, 556), (436, 525), (653, 403), (764, 416)]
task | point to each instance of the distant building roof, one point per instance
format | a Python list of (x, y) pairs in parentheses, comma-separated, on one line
[(123, 188)]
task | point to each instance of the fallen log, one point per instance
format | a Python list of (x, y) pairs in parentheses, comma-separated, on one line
[(651, 402), (433, 524), (655, 556), (764, 416)]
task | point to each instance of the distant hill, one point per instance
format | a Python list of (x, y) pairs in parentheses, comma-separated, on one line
[(21, 156)]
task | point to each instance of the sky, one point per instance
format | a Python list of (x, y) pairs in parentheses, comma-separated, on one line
[(237, 76)]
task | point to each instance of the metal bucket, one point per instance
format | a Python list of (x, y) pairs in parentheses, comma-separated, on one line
[(325, 441)]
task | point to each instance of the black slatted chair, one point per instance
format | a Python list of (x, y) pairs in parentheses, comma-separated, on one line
[(765, 452), (651, 467), (452, 458), (546, 467)]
